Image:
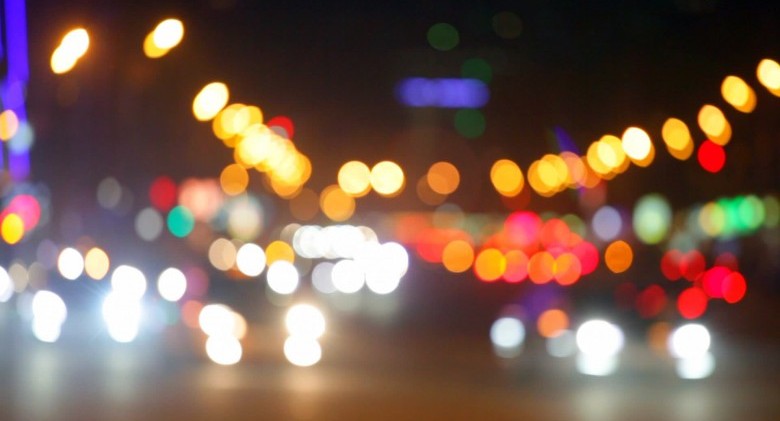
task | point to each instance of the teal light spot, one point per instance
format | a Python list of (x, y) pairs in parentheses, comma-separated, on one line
[(180, 221), (470, 123), (477, 68), (443, 36)]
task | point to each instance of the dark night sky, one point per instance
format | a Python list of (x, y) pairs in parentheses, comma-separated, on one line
[(590, 68)]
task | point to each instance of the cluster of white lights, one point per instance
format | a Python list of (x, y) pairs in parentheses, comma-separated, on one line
[(49, 313), (600, 342), (305, 325), (122, 307), (331, 242), (360, 260), (224, 328)]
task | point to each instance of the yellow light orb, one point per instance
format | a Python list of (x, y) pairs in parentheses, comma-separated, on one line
[(151, 49), (279, 250), (387, 178), (443, 177), (12, 228), (251, 150), (738, 93), (336, 204), (9, 124), (96, 263), (676, 134), (234, 179), (768, 73), (457, 256), (507, 178), (210, 101), (490, 265), (354, 178), (62, 61), (714, 124), (76, 42), (636, 144), (168, 34)]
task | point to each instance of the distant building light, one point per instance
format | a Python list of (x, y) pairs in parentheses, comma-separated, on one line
[(443, 93)]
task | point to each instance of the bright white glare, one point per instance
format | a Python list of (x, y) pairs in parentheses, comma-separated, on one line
[(172, 284), (70, 263), (369, 235), (345, 240), (217, 320), (49, 307), (224, 349), (562, 344), (382, 283), (250, 259), (698, 367), (596, 365), (282, 277), (168, 34), (310, 242), (76, 42), (6, 286), (305, 320), (383, 265), (507, 333), (122, 315), (302, 351), (128, 281), (347, 276), (396, 257), (599, 338), (321, 278), (46, 330), (691, 340)]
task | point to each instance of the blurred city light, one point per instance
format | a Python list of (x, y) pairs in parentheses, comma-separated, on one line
[(172, 284), (224, 349), (72, 47), (48, 315), (599, 338), (122, 313), (302, 351), (507, 335), (305, 320), (210, 100)]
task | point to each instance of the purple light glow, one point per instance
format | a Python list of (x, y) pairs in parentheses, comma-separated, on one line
[(442, 93)]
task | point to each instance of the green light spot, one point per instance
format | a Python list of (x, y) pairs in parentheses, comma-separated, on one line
[(752, 213), (575, 223), (443, 36), (470, 123), (476, 68), (771, 212), (180, 221), (652, 218)]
